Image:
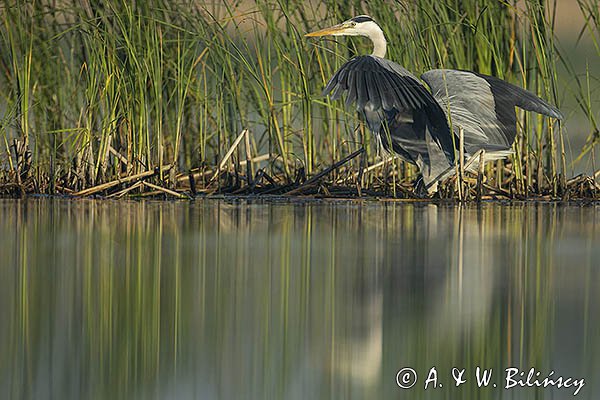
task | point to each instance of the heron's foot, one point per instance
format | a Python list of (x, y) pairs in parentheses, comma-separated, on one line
[(419, 187)]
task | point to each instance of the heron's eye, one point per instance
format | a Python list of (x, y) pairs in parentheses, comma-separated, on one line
[(353, 24)]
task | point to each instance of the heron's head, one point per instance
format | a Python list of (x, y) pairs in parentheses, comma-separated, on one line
[(363, 25)]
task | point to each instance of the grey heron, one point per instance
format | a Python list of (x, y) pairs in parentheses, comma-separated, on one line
[(413, 122)]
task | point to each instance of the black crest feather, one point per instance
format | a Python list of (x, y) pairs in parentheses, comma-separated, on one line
[(361, 18)]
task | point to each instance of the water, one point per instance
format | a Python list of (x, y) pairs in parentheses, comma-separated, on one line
[(213, 300)]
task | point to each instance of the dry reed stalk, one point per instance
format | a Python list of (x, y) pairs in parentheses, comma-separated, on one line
[(249, 166), (123, 192), (326, 171), (181, 177), (165, 190), (480, 176), (108, 185), (235, 144)]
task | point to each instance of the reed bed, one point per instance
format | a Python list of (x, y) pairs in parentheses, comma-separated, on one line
[(190, 98)]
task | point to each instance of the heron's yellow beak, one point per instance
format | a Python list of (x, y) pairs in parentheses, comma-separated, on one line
[(332, 30)]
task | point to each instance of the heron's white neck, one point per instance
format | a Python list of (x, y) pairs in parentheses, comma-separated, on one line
[(379, 44), (373, 31)]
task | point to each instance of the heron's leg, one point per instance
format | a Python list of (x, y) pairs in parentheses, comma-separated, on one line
[(419, 187), (362, 165)]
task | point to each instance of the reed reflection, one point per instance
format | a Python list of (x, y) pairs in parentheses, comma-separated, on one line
[(314, 300)]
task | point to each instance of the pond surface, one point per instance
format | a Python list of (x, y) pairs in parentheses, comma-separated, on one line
[(319, 300)]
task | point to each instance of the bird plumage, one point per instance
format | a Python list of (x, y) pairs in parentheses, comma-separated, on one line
[(397, 107), (409, 120), (484, 106)]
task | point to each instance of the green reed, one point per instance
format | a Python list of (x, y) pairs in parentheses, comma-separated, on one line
[(98, 92)]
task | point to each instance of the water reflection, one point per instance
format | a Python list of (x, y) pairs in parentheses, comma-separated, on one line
[(158, 300)]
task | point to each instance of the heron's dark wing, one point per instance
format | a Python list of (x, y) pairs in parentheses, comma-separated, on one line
[(483, 106), (511, 94), (381, 89)]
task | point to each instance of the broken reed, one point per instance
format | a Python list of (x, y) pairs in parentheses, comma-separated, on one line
[(91, 95)]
